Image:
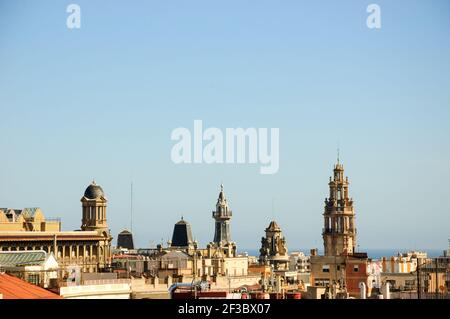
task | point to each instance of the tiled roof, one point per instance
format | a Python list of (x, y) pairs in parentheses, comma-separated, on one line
[(22, 258), (15, 288), (175, 255)]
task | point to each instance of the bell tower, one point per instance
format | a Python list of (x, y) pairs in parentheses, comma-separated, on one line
[(222, 216), (339, 232)]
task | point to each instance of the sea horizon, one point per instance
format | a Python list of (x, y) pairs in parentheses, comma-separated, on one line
[(374, 253)]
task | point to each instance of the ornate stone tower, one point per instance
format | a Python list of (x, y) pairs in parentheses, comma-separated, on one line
[(339, 233), (94, 219), (273, 248), (222, 216), (94, 209)]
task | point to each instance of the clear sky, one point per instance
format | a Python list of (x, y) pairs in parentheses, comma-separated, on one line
[(101, 102)]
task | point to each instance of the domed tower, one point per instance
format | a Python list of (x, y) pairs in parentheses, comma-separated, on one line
[(339, 233), (94, 209), (222, 216)]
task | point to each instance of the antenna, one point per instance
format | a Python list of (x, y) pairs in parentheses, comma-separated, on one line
[(131, 208)]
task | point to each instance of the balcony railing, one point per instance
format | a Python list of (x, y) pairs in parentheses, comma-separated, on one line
[(337, 231)]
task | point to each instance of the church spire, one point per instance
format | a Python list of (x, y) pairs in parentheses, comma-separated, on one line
[(221, 195), (222, 216), (339, 232)]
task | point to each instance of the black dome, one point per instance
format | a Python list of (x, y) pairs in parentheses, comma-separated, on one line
[(94, 191), (182, 234), (125, 240)]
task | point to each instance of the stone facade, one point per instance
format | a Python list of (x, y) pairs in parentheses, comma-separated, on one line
[(27, 219), (339, 232), (89, 248), (274, 249)]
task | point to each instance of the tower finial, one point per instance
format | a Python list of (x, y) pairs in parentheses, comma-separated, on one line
[(338, 155)]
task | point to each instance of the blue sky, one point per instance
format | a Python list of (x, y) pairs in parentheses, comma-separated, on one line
[(101, 102)]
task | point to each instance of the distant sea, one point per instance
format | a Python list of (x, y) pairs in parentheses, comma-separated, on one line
[(372, 253)]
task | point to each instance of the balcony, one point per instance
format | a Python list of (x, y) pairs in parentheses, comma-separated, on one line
[(222, 215), (332, 231)]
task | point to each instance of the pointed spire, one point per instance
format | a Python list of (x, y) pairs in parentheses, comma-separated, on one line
[(221, 194), (222, 215), (338, 155)]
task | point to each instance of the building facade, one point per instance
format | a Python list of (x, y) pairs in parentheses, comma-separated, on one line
[(89, 248), (36, 267)]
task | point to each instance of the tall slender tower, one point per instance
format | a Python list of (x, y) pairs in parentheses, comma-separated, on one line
[(339, 233), (222, 216)]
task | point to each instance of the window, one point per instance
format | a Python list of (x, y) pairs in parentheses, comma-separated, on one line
[(326, 268), (338, 267), (321, 282), (410, 284), (392, 283), (355, 268), (33, 279)]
